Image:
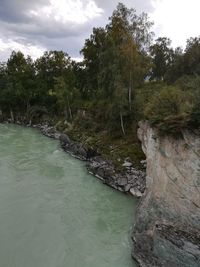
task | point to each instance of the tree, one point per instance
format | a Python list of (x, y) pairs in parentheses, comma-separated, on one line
[(20, 81), (49, 67), (131, 38), (64, 96), (187, 63), (192, 56), (120, 102), (176, 69), (92, 50), (3, 82), (117, 56), (162, 56)]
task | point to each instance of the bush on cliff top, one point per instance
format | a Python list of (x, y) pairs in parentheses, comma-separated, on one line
[(172, 108)]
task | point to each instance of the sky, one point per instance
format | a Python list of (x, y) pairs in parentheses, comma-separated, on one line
[(39, 25)]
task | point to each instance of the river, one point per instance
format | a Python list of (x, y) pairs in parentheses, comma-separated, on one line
[(54, 214)]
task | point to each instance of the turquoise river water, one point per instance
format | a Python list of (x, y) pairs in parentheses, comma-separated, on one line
[(54, 214)]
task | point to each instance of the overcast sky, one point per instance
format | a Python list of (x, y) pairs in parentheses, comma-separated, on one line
[(39, 25)]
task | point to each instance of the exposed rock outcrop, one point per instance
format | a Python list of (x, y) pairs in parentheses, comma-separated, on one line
[(167, 230), (129, 180)]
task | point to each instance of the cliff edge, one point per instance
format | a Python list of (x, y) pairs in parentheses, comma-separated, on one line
[(167, 229)]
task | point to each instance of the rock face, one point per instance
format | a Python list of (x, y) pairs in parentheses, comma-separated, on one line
[(167, 230)]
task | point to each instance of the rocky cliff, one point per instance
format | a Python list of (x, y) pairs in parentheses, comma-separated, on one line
[(167, 230)]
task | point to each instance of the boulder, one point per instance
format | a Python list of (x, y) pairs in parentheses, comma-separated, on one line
[(127, 164), (64, 139)]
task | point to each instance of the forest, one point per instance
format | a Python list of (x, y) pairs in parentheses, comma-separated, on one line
[(126, 75)]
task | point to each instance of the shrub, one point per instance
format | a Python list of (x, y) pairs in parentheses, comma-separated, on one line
[(170, 109)]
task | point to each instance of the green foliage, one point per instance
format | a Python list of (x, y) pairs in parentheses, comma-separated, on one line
[(169, 110), (162, 56), (192, 56), (176, 69), (116, 62), (187, 63), (144, 95)]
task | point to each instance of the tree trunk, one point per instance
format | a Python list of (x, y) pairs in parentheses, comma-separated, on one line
[(1, 115), (130, 90), (122, 123), (28, 112), (66, 113), (12, 116), (27, 106), (69, 108)]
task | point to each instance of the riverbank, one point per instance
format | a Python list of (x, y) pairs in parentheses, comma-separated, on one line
[(128, 180)]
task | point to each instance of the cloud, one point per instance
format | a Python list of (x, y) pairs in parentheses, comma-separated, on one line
[(8, 45), (140, 6), (63, 11), (35, 26), (178, 21)]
